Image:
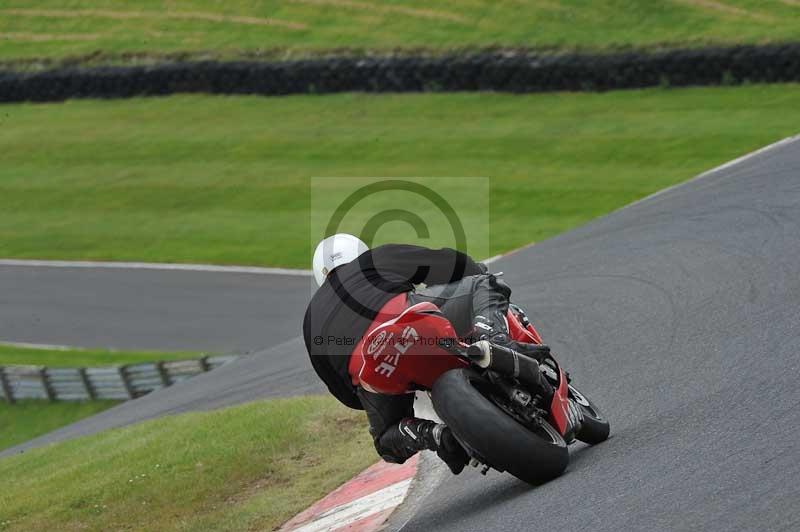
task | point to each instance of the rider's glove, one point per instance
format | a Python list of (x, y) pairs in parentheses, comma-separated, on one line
[(537, 352)]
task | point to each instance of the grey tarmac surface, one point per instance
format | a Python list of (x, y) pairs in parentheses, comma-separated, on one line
[(150, 309), (678, 315)]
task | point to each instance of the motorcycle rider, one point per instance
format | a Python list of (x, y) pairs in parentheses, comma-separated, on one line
[(354, 285)]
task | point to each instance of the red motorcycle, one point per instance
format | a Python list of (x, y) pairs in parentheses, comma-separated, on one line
[(485, 393)]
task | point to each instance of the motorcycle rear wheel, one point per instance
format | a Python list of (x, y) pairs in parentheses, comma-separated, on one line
[(463, 399)]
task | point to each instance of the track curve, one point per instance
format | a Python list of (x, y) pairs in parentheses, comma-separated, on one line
[(132, 308), (679, 316), (280, 371)]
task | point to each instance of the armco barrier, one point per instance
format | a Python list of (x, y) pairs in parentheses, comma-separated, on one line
[(111, 382), (506, 71)]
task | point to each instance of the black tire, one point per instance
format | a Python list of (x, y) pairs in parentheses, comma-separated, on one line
[(492, 435), (595, 427)]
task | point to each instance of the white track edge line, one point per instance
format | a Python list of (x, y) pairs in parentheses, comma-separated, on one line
[(154, 266), (87, 264), (716, 169), (29, 345), (308, 273)]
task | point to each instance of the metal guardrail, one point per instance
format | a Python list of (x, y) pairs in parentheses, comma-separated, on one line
[(110, 382)]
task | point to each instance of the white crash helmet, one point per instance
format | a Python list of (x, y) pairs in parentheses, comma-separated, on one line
[(334, 251)]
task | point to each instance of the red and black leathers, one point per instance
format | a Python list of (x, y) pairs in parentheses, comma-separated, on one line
[(345, 305)]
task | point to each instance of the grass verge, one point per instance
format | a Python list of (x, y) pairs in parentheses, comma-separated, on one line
[(53, 29), (83, 357), (226, 179), (25, 420), (247, 467)]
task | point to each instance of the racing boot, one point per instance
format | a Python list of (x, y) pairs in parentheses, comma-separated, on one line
[(412, 435)]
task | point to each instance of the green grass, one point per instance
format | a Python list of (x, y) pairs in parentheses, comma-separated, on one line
[(226, 179), (84, 357), (248, 467), (55, 28), (27, 419)]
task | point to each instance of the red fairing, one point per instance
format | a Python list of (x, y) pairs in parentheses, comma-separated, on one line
[(536, 338), (393, 308), (520, 333), (560, 404), (517, 331), (402, 354)]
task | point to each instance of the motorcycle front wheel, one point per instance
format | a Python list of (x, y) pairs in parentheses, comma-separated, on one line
[(595, 427), (480, 419)]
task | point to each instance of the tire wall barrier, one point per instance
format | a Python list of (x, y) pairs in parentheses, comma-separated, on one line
[(515, 72), (109, 382)]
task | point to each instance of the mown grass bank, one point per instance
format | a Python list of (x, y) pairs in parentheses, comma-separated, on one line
[(84, 27), (247, 467), (85, 357), (25, 420), (227, 179)]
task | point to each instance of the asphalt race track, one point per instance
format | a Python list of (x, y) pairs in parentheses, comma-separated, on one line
[(147, 309), (679, 315)]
